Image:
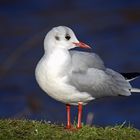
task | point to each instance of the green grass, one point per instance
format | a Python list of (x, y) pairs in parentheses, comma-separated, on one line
[(33, 130)]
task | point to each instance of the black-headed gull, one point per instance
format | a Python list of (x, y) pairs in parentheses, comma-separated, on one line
[(75, 77)]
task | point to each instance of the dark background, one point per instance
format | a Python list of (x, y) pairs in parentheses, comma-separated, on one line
[(111, 27)]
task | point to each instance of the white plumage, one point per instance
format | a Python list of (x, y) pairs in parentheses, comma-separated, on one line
[(73, 76)]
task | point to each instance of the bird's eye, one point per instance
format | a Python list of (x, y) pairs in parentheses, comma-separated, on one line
[(68, 37), (57, 38)]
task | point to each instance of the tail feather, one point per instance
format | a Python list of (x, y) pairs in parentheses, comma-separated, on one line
[(135, 90), (130, 77)]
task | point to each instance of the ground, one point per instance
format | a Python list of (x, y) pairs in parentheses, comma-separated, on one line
[(35, 130)]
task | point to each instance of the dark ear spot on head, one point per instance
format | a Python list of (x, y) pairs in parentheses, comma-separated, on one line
[(57, 38)]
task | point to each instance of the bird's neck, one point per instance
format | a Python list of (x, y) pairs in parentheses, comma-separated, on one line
[(58, 61)]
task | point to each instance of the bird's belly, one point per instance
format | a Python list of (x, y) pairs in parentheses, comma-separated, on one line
[(63, 92)]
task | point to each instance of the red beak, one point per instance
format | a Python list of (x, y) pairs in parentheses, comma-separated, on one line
[(82, 45)]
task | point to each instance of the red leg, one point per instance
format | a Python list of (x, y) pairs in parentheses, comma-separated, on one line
[(68, 126), (79, 125)]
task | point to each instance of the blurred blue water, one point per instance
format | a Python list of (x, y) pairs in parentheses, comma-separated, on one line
[(112, 28)]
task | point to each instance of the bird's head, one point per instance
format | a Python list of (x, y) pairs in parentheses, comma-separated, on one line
[(62, 37)]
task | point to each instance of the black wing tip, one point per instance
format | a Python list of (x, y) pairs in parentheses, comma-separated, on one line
[(130, 75)]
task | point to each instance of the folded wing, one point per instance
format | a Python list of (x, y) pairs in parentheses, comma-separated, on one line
[(90, 75), (81, 61)]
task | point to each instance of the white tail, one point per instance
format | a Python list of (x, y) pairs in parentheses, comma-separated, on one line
[(135, 90)]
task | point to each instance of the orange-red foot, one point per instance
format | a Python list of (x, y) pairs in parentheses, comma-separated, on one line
[(79, 127), (68, 127), (71, 128)]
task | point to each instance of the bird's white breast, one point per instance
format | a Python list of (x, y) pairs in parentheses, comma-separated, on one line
[(52, 76)]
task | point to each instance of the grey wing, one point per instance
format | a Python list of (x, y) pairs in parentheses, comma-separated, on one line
[(83, 60), (100, 83)]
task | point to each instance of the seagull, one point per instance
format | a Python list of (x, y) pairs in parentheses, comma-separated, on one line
[(75, 77)]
